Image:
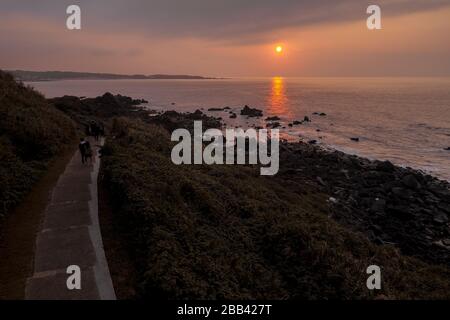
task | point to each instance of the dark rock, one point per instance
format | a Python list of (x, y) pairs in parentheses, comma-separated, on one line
[(385, 166), (312, 141), (410, 181), (400, 211), (401, 192), (306, 119), (273, 125), (319, 179), (447, 149), (233, 116), (251, 112), (441, 244), (440, 218), (355, 139), (322, 114), (275, 118), (444, 207), (378, 205), (296, 122)]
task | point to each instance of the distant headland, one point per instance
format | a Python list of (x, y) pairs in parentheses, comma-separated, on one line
[(70, 75)]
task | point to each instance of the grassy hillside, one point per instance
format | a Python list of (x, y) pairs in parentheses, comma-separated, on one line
[(214, 232), (31, 133)]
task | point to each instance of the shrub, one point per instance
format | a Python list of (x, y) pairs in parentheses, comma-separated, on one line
[(31, 133), (225, 232)]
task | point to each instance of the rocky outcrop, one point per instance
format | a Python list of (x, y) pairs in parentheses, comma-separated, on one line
[(251, 112), (390, 205)]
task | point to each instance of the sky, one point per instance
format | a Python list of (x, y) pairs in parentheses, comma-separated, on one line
[(228, 38)]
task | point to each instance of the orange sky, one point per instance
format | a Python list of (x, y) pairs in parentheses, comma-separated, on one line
[(410, 44)]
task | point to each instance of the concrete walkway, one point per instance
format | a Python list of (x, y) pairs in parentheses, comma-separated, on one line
[(70, 235)]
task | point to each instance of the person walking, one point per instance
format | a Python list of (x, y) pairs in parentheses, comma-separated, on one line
[(95, 130), (89, 153), (82, 147)]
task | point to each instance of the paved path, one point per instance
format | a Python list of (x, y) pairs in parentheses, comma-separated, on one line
[(70, 235)]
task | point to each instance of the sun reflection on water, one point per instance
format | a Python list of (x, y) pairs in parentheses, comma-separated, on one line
[(278, 100)]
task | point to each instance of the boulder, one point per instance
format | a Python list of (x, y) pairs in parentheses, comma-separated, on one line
[(441, 244), (378, 205), (440, 218), (251, 112), (273, 125), (410, 181), (321, 182), (401, 192), (385, 166)]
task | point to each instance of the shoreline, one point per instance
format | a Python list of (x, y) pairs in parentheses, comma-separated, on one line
[(367, 195), (390, 204), (323, 207), (325, 215), (297, 136)]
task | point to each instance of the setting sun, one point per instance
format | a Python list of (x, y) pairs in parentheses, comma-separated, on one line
[(279, 49)]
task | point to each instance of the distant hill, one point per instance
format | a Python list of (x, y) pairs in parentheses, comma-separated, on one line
[(69, 75)]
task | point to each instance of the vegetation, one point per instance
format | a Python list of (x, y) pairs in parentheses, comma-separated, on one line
[(31, 133), (203, 232), (224, 232)]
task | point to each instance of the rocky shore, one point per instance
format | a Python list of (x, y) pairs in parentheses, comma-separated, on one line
[(391, 205), (308, 232)]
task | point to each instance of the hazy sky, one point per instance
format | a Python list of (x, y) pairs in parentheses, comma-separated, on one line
[(228, 37)]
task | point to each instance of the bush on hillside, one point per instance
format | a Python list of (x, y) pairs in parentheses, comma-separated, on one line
[(31, 133), (225, 232)]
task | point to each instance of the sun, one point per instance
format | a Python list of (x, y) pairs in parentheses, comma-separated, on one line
[(279, 49)]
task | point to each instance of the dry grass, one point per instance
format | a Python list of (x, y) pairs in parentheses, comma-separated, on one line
[(31, 133), (224, 232)]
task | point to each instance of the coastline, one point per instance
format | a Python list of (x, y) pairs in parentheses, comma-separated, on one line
[(370, 196), (393, 217), (390, 204), (226, 232)]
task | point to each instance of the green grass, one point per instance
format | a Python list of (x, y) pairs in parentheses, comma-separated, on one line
[(31, 134), (225, 232)]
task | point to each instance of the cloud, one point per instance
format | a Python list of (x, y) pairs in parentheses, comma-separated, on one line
[(220, 20), (226, 38)]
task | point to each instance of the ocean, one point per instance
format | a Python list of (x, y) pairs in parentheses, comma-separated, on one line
[(404, 120)]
